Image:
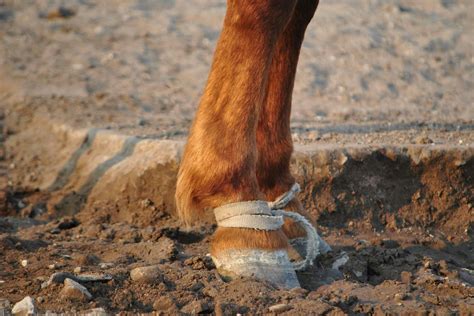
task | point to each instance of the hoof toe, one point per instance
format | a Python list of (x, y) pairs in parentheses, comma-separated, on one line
[(271, 266)]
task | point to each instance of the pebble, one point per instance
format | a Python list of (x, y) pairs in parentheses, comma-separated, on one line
[(74, 290), (25, 307), (148, 274), (55, 231), (24, 263), (52, 266), (106, 265), (57, 277), (95, 312), (93, 277), (197, 307), (279, 308), (77, 270), (68, 223)]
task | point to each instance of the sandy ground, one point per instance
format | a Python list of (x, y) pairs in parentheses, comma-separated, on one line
[(385, 72)]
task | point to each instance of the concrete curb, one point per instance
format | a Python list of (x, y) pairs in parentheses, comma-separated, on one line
[(101, 170)]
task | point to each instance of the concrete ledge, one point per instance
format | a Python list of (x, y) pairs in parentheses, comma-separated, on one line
[(126, 178)]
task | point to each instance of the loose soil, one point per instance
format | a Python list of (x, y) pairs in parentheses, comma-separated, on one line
[(382, 73)]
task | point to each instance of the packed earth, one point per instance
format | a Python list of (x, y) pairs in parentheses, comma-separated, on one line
[(96, 98)]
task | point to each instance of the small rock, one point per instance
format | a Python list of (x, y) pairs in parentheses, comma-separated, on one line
[(24, 263), (106, 265), (52, 266), (92, 277), (76, 291), (77, 270), (197, 307), (57, 277), (68, 223), (149, 274), (55, 231), (95, 312), (25, 307), (406, 277), (40, 299), (165, 304), (279, 308)]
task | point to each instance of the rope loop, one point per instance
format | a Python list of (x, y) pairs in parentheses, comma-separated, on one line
[(312, 238)]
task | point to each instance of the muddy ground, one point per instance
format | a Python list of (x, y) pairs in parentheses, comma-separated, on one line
[(388, 74)]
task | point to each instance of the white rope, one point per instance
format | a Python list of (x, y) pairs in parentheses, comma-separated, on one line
[(283, 200), (312, 238), (269, 216), (312, 244)]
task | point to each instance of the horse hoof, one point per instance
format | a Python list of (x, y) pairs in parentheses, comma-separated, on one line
[(271, 266)]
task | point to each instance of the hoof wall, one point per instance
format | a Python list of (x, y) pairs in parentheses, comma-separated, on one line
[(271, 266)]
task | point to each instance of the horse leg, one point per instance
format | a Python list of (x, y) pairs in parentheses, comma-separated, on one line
[(220, 158), (274, 142)]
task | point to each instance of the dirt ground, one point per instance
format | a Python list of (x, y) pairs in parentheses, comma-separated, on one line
[(382, 73)]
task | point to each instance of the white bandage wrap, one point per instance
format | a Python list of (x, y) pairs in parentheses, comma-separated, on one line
[(269, 216), (249, 214)]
